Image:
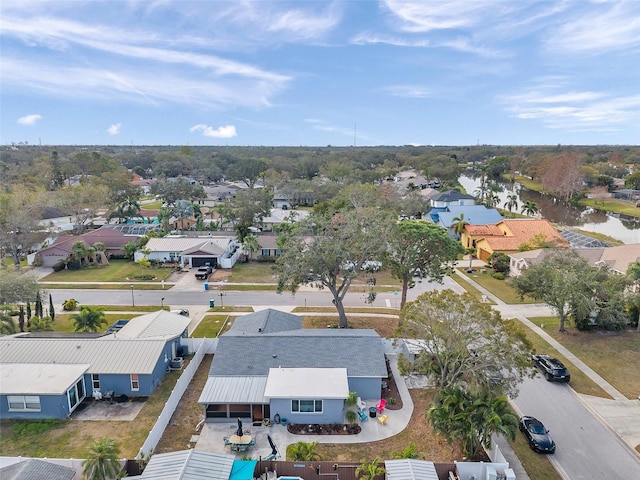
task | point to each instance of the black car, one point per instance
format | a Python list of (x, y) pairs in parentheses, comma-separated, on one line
[(537, 435), (552, 368)]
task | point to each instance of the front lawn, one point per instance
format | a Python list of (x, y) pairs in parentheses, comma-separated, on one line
[(210, 326), (500, 288), (613, 355), (117, 271)]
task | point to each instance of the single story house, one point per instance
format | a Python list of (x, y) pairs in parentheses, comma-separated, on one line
[(46, 375), (113, 238), (268, 365), (473, 215), (217, 250), (617, 258), (268, 247), (278, 216), (35, 469), (509, 235)]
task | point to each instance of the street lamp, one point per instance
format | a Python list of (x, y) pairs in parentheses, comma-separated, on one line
[(221, 295), (133, 301)]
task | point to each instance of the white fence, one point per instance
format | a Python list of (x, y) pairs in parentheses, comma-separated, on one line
[(172, 402), (194, 344)]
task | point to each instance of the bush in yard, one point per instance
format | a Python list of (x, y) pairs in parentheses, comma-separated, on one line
[(59, 266), (498, 276), (499, 262), (70, 304)]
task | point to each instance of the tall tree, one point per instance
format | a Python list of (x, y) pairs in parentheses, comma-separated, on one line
[(52, 310), (102, 462), (419, 249), (248, 171), (458, 225), (39, 305), (251, 245), (529, 208), (564, 281), (182, 209), (89, 319), (341, 245), (17, 287), (512, 202), (464, 341)]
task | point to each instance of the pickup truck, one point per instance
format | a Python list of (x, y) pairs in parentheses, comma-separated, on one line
[(204, 273)]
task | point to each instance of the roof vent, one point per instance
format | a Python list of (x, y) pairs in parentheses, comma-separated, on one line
[(260, 330), (274, 355), (78, 346)]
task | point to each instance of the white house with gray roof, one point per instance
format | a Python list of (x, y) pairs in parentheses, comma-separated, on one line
[(268, 365)]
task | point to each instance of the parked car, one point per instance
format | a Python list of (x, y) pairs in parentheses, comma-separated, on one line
[(552, 368), (184, 312), (537, 435)]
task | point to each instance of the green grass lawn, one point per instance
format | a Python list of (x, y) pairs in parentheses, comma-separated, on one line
[(579, 381), (252, 272), (500, 288), (613, 355), (116, 271), (210, 326)]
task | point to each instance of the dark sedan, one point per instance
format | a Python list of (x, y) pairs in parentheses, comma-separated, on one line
[(537, 435), (552, 368)]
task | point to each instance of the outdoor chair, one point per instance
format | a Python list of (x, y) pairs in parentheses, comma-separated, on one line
[(381, 404), (383, 419), (362, 405), (363, 415)]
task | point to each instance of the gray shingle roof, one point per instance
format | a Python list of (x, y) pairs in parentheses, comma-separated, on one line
[(33, 469), (188, 465), (265, 321), (361, 352)]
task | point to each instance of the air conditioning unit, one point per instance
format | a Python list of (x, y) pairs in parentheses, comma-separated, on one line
[(177, 363)]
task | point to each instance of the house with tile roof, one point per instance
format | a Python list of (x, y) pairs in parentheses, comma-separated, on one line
[(617, 258), (267, 365), (509, 235), (49, 374), (217, 250)]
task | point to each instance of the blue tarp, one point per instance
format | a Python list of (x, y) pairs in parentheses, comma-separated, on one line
[(243, 469)]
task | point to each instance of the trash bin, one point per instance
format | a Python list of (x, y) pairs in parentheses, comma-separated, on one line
[(212, 303), (372, 412), (206, 285)]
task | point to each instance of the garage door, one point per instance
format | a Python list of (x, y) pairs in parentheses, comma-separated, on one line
[(201, 261)]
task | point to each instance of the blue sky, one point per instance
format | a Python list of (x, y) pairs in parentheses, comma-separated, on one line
[(457, 72)]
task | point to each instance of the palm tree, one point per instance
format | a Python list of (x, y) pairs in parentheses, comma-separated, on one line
[(182, 209), (251, 245), (7, 325), (511, 203), (494, 416), (79, 251), (102, 462), (492, 199), (303, 452), (99, 249), (38, 324), (89, 319), (130, 208), (458, 225), (529, 208), (370, 470), (409, 452), (163, 216)]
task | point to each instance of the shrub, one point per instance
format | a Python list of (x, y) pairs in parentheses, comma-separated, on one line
[(351, 416), (59, 266), (74, 265), (498, 276), (70, 304)]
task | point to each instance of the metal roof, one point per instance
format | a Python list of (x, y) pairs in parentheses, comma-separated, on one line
[(234, 390), (307, 383), (105, 355), (360, 351), (34, 469), (44, 379), (156, 325), (188, 465), (174, 244), (409, 469)]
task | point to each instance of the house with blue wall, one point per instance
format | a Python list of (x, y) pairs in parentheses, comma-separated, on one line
[(48, 374), (268, 365), (472, 214)]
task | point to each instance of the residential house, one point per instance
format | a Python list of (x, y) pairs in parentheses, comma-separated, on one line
[(195, 464), (452, 198), (472, 214), (617, 258), (268, 247), (509, 235), (278, 216), (218, 250), (49, 374), (35, 469), (267, 365), (114, 237)]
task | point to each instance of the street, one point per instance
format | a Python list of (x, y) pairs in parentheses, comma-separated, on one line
[(586, 449)]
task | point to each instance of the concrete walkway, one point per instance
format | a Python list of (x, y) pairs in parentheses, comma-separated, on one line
[(211, 437), (621, 415)]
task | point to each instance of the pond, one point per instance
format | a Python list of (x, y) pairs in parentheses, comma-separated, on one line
[(626, 231)]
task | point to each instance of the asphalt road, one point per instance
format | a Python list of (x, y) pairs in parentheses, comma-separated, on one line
[(585, 448)]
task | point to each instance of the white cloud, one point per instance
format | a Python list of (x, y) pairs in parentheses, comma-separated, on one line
[(114, 129), (225, 131), (409, 91), (30, 120)]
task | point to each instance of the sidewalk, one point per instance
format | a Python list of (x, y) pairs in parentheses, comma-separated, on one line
[(621, 415)]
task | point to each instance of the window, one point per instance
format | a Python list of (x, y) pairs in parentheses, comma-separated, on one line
[(75, 394), (30, 403), (306, 406), (135, 384), (95, 380)]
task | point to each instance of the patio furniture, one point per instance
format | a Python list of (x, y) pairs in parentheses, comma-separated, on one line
[(240, 443), (372, 412), (383, 419), (362, 415), (381, 404), (362, 405)]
